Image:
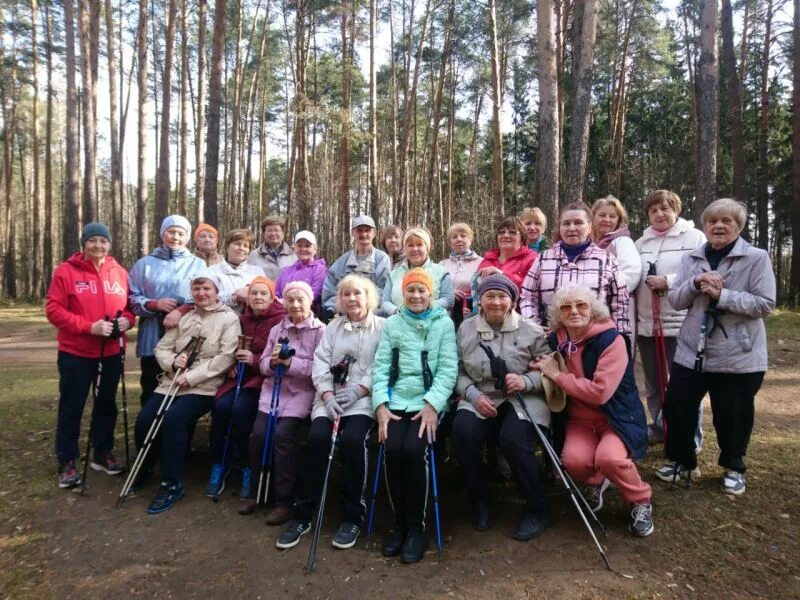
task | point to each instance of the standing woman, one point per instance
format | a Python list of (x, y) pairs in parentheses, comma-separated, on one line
[(260, 315), (206, 241), (422, 336), (574, 258), (235, 273), (461, 264), (392, 243), (307, 268), (274, 254), (417, 244), (535, 227), (197, 385), (512, 257), (304, 332), (160, 295), (88, 291), (728, 287), (342, 374), (662, 246)]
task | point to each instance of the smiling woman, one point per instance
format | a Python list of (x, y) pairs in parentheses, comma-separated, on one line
[(234, 273)]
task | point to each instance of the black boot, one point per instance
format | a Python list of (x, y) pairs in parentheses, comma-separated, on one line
[(393, 543), (530, 526), (480, 516), (414, 547)]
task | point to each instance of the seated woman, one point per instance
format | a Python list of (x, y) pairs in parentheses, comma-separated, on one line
[(408, 394), (486, 412), (606, 426), (342, 374), (260, 315), (304, 332), (197, 385)]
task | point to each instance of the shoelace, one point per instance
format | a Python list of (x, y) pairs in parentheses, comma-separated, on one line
[(641, 513)]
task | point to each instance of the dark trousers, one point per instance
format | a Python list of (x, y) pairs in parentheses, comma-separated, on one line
[(173, 437), (407, 472), (149, 377), (239, 415), (285, 454), (76, 376), (517, 440), (733, 407), (352, 441)]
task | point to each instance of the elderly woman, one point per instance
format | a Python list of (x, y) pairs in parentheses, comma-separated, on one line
[(304, 332), (606, 426), (234, 274), (206, 240), (87, 302), (417, 244), (308, 268), (364, 259), (196, 385), (274, 254), (575, 259), (414, 373), (234, 411), (728, 287), (535, 226), (487, 412), (462, 265), (342, 374), (159, 294), (661, 248), (512, 257), (392, 243)]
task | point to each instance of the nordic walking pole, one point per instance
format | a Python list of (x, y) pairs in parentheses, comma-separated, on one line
[(193, 347), (662, 368), (499, 372), (95, 393), (427, 381), (312, 552), (124, 396)]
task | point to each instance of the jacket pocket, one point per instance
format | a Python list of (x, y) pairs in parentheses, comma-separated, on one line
[(743, 335)]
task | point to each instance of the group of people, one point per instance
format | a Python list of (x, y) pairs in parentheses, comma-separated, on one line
[(389, 341)]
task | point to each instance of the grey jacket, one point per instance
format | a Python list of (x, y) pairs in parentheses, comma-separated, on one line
[(374, 267), (272, 262), (747, 297), (518, 340)]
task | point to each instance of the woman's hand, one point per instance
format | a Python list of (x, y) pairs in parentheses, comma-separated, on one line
[(656, 283), (711, 290), (102, 328), (547, 366), (180, 362), (384, 415), (274, 360), (245, 356), (429, 421), (514, 383), (182, 380), (241, 294), (166, 305), (123, 324), (485, 407), (486, 271), (172, 319)]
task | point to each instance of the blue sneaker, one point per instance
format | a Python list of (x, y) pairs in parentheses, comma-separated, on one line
[(216, 481), (168, 494), (247, 477)]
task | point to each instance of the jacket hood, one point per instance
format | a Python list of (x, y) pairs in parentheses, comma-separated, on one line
[(680, 226), (214, 308), (436, 312), (469, 257), (165, 253), (78, 261)]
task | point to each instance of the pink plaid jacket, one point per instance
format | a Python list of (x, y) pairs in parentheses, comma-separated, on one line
[(595, 268)]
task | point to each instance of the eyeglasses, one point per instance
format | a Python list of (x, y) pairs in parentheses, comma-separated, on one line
[(581, 307), (511, 232)]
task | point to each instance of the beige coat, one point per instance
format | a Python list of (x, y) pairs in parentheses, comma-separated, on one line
[(220, 326)]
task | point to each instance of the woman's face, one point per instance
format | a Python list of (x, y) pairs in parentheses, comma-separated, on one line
[(298, 305), (393, 242), (721, 230), (575, 314), (509, 240), (605, 220), (273, 235), (416, 251), (661, 216), (533, 230), (259, 297), (96, 248), (416, 297), (175, 238), (460, 242), (305, 251), (496, 305), (204, 293), (207, 241), (574, 227), (354, 301), (237, 251)]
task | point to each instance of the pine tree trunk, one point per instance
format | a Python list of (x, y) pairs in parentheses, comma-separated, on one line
[(89, 97), (72, 218), (762, 189), (211, 209), (184, 101), (37, 282), (374, 194), (497, 105), (794, 285), (708, 116), (49, 230), (162, 173), (549, 151), (142, 222), (116, 175), (200, 123)]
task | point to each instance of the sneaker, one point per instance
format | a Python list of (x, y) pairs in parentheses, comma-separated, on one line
[(68, 476), (529, 527), (166, 497), (734, 483), (667, 472), (346, 536), (292, 534), (216, 481), (247, 479), (641, 520), (106, 462), (594, 494)]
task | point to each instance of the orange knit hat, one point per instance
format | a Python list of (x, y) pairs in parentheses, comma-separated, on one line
[(418, 276), (204, 227), (264, 281)]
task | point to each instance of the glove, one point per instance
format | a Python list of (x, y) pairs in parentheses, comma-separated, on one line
[(333, 409), (348, 396)]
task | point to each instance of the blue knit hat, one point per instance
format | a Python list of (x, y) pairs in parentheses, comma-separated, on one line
[(498, 281), (175, 221), (93, 229)]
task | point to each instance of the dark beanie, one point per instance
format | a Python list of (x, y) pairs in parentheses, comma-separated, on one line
[(93, 229), (498, 281)]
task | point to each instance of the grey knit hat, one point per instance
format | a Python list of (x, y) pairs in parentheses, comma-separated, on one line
[(498, 281)]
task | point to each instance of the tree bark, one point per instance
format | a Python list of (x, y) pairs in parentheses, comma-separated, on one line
[(142, 222), (72, 218), (49, 241), (374, 195), (549, 149), (211, 210), (794, 281), (708, 125), (762, 189), (497, 105), (184, 102), (87, 26), (162, 173), (200, 124), (116, 171), (37, 286)]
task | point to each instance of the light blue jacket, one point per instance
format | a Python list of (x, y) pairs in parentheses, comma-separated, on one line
[(413, 334), (162, 274), (374, 267), (443, 293)]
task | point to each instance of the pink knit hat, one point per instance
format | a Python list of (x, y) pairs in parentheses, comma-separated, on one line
[(299, 285)]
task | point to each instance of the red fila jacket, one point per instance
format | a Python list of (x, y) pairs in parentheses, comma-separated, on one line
[(78, 296)]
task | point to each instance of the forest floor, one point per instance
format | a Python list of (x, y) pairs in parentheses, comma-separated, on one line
[(56, 543)]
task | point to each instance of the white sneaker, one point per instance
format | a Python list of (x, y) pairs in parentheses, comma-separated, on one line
[(734, 483), (594, 494), (667, 472)]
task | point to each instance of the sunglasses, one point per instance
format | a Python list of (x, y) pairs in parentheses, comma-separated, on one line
[(566, 309)]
